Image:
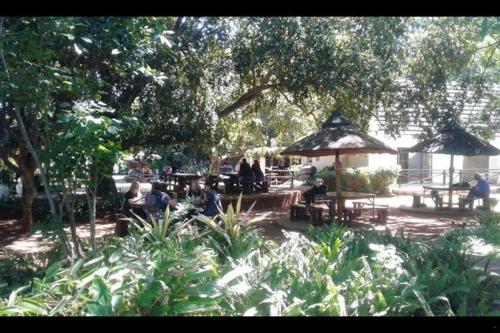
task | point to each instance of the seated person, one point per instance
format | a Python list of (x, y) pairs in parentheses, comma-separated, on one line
[(147, 170), (133, 174), (247, 177), (246, 173), (310, 194), (167, 171), (481, 190), (195, 190), (226, 167), (259, 175), (212, 201), (158, 201), (133, 195)]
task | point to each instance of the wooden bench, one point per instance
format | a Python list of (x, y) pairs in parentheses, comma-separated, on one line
[(303, 212), (358, 207), (417, 200), (121, 224), (381, 212)]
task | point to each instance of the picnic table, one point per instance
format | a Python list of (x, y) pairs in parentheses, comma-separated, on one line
[(443, 189), (231, 181), (332, 196), (183, 179)]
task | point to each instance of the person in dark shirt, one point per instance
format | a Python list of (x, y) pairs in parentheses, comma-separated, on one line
[(247, 177), (212, 201), (158, 201), (259, 175), (133, 195), (246, 172)]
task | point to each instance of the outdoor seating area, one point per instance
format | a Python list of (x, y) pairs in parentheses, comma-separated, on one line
[(197, 166)]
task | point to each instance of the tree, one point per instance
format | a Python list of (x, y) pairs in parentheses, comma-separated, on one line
[(85, 146)]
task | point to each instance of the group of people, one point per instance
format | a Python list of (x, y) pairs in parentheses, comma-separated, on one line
[(157, 201)]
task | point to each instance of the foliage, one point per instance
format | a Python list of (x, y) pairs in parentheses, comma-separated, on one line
[(381, 178), (232, 235), (328, 271), (356, 180)]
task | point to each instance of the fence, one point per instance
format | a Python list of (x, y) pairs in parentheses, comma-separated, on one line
[(411, 176), (279, 176)]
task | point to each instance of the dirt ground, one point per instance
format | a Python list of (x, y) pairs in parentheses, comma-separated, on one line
[(273, 222)]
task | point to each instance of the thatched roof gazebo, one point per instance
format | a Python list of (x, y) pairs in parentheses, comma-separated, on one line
[(337, 136), (454, 140)]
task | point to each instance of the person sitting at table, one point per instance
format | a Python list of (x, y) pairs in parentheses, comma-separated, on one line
[(212, 201), (133, 195), (226, 167), (481, 190), (166, 172), (259, 175), (158, 201), (195, 190), (310, 194), (247, 177), (133, 174)]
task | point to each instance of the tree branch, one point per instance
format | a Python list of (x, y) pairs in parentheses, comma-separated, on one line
[(246, 99), (303, 109)]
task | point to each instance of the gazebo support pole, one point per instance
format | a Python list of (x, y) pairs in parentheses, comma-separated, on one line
[(450, 192), (338, 185)]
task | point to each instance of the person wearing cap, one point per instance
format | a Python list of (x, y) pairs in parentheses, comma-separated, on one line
[(481, 190)]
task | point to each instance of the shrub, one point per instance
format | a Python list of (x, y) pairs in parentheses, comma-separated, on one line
[(381, 178), (356, 180)]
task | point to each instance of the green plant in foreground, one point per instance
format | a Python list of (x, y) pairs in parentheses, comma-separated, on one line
[(234, 232)]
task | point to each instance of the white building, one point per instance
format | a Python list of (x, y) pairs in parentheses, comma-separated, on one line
[(419, 165)]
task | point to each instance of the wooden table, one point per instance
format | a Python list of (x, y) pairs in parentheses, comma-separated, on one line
[(445, 189), (332, 196), (232, 182), (183, 179)]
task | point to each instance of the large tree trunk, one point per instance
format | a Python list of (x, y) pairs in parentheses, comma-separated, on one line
[(29, 193), (27, 167)]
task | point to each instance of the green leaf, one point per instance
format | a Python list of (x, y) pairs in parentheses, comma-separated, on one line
[(77, 48), (235, 273), (195, 306)]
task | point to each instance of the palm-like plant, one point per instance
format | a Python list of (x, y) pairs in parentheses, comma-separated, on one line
[(232, 229), (158, 229)]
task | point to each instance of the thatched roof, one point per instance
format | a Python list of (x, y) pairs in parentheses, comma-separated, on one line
[(455, 140), (337, 133)]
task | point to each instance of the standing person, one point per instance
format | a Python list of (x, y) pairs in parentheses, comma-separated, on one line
[(133, 195), (247, 176), (212, 201), (259, 175)]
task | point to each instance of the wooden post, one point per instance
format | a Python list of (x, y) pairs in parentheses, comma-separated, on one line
[(338, 185), (451, 182), (444, 177)]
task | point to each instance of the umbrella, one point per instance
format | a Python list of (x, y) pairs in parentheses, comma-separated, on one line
[(337, 136), (454, 140)]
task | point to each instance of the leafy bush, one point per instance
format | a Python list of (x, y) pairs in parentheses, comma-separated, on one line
[(381, 178), (356, 180), (169, 268)]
